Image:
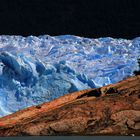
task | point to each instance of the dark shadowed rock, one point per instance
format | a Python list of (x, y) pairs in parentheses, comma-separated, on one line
[(110, 110)]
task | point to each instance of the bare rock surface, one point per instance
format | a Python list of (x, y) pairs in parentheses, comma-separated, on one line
[(109, 110)]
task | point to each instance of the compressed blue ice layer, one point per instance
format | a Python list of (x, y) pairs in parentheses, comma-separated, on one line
[(34, 70)]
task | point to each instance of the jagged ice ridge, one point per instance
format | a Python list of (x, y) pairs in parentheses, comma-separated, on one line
[(34, 70)]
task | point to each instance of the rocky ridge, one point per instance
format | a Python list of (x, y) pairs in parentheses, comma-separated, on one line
[(110, 110)]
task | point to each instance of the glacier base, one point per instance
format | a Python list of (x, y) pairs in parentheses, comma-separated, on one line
[(34, 70)]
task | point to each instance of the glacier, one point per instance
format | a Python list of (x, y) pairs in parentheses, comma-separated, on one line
[(39, 69)]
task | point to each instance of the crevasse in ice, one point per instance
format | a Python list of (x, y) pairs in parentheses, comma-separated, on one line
[(34, 70)]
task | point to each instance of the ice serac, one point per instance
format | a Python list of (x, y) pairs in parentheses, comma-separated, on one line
[(31, 82), (18, 68), (34, 70)]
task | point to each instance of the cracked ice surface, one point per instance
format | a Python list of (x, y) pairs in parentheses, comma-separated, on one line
[(34, 70)]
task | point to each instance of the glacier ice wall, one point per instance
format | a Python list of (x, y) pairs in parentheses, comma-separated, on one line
[(34, 70)]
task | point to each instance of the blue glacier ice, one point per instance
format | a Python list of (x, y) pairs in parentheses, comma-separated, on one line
[(39, 69)]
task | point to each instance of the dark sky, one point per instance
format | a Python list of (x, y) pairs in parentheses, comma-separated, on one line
[(89, 18)]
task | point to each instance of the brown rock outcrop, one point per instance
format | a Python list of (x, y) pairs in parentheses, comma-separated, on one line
[(109, 110)]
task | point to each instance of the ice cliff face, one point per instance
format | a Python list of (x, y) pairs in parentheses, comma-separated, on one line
[(34, 70)]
